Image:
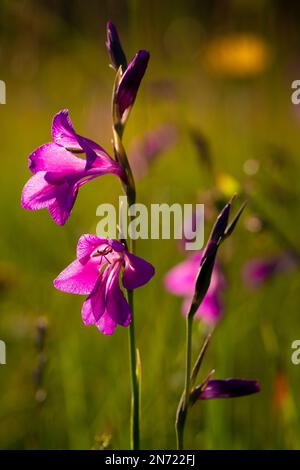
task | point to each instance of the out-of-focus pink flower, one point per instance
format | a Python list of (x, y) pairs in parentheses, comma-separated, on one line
[(181, 281), (96, 272), (143, 152), (58, 173), (259, 270)]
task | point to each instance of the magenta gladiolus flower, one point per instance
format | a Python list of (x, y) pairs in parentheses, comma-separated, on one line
[(130, 81), (96, 272), (58, 173), (181, 281), (225, 388)]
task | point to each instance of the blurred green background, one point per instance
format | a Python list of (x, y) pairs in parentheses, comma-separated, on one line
[(221, 69)]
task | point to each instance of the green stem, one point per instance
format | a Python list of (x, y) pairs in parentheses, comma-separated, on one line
[(199, 360), (183, 406), (135, 387), (129, 188), (188, 360), (180, 423), (135, 395)]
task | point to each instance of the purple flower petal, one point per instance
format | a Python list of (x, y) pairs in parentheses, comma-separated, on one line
[(60, 163), (106, 306), (61, 207), (137, 271), (228, 388), (94, 306), (88, 243), (59, 199), (64, 136), (91, 155), (106, 324), (78, 278), (130, 81), (63, 132), (37, 193), (116, 305), (52, 157)]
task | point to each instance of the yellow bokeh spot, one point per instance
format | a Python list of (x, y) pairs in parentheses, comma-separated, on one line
[(238, 55), (227, 185)]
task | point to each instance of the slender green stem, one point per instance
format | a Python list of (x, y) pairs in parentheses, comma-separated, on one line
[(199, 360), (180, 423), (129, 188), (188, 359), (135, 398), (179, 437), (135, 386), (183, 406), (135, 389)]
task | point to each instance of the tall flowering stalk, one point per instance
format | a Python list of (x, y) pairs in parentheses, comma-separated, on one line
[(127, 82), (58, 173), (209, 388)]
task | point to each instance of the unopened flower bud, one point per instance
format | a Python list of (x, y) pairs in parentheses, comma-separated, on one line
[(114, 47)]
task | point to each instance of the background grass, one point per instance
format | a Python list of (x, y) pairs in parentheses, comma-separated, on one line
[(52, 55)]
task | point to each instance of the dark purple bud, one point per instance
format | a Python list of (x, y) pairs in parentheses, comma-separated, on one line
[(130, 81), (114, 47), (204, 276), (220, 224), (220, 231), (225, 388)]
